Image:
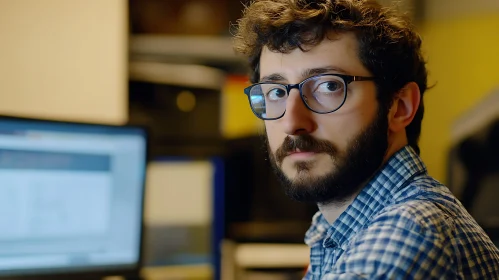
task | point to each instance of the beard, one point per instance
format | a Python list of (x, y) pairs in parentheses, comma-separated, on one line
[(352, 169)]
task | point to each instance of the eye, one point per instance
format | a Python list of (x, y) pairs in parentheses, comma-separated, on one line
[(276, 94), (330, 87)]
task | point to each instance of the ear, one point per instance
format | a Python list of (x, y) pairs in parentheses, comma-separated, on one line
[(404, 107)]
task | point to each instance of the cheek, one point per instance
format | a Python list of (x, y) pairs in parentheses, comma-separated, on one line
[(274, 135), (337, 130), (345, 126)]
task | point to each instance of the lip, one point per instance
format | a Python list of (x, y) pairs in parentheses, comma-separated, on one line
[(301, 155)]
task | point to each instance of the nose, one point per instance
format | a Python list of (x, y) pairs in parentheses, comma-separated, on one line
[(298, 118)]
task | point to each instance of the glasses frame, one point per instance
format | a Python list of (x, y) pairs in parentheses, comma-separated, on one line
[(347, 79)]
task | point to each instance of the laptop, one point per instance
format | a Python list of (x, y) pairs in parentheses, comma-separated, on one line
[(71, 199)]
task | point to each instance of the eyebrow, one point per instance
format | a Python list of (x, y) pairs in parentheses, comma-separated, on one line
[(278, 77)]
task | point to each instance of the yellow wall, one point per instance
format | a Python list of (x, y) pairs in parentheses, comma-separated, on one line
[(463, 60), (237, 118)]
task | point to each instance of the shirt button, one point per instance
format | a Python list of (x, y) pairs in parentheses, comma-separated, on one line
[(329, 243)]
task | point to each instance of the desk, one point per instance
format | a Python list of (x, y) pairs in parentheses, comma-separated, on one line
[(181, 272), (238, 260)]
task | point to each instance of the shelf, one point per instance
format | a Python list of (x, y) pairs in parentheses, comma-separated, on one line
[(205, 48)]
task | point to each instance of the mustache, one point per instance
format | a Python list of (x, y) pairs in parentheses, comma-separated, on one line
[(304, 143)]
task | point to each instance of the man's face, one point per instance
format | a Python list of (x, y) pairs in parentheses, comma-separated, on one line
[(325, 157)]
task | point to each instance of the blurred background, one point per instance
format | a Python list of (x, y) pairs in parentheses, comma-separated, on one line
[(213, 208)]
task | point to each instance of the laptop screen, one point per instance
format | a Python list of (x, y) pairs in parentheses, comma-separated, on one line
[(71, 196)]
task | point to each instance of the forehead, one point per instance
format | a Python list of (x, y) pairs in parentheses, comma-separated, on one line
[(340, 51)]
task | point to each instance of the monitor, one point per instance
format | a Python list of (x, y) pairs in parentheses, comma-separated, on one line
[(71, 198)]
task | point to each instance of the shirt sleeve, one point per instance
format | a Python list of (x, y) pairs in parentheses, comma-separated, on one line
[(396, 247)]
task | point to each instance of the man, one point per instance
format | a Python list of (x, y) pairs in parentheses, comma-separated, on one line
[(340, 85)]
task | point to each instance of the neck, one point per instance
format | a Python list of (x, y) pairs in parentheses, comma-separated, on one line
[(333, 210), (396, 141)]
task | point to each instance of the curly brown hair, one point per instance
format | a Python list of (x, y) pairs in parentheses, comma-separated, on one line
[(389, 46)]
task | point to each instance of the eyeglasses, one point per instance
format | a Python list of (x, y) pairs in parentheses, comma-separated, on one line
[(321, 94)]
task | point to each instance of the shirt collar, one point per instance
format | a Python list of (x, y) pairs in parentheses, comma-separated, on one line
[(384, 187)]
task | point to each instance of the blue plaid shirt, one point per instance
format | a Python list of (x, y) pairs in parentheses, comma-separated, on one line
[(402, 225)]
